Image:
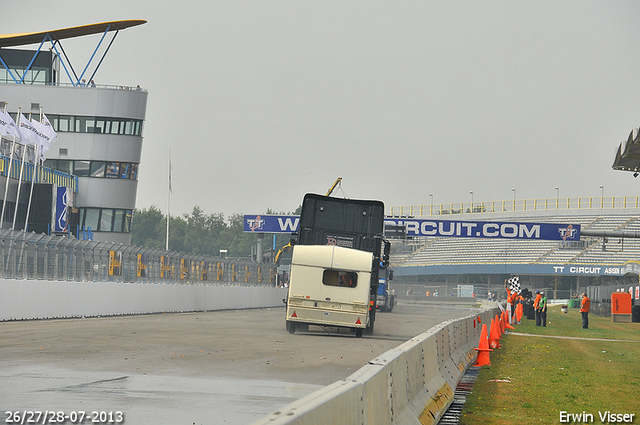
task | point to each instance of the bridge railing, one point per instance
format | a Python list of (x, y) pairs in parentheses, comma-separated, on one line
[(49, 257), (515, 205)]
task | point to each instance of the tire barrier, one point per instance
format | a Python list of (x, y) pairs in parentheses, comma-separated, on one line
[(412, 384)]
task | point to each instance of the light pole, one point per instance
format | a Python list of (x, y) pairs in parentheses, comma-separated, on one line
[(557, 197), (601, 196), (471, 192), (431, 210), (513, 189)]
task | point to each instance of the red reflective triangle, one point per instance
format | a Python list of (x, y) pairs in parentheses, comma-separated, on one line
[(358, 322), (294, 314)]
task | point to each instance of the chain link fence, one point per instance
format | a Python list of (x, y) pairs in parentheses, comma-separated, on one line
[(39, 256)]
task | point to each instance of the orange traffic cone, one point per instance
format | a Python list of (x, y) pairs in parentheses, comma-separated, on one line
[(506, 321), (483, 349), (502, 321), (494, 335), (499, 326)]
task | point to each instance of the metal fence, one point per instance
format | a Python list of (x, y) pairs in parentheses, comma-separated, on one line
[(515, 205), (40, 256)]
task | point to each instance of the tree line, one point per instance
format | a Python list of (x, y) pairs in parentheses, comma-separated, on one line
[(201, 233)]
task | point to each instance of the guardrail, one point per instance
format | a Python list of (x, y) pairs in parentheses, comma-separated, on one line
[(413, 383), (60, 258), (610, 202)]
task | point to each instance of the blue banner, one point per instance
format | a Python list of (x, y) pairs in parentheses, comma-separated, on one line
[(271, 223), (438, 228), (62, 209), (489, 229)]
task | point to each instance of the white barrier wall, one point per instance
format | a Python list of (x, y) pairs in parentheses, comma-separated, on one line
[(38, 299), (412, 384)]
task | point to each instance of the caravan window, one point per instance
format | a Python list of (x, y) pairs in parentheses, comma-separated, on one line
[(340, 278)]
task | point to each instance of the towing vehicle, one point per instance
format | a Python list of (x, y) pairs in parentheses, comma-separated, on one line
[(386, 297)]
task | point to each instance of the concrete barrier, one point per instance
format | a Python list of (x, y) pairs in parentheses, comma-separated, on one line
[(412, 384), (39, 299)]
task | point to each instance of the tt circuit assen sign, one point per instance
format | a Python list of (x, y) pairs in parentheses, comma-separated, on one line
[(489, 229), (438, 228)]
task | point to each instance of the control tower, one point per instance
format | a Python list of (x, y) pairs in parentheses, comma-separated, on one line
[(99, 127)]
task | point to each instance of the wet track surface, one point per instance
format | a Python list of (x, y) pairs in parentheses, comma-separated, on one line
[(225, 367)]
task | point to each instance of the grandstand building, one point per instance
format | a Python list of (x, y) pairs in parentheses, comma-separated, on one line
[(446, 263), (99, 127)]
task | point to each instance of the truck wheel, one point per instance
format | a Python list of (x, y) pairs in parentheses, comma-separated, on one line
[(291, 327), (359, 333)]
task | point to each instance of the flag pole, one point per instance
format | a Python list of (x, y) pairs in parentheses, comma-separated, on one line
[(6, 186), (168, 202), (24, 148), (33, 179)]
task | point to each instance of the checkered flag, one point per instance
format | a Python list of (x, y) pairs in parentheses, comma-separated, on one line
[(514, 284)]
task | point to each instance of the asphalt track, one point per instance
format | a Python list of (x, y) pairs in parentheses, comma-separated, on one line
[(224, 367)]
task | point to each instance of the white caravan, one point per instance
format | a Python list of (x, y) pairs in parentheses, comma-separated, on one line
[(329, 286)]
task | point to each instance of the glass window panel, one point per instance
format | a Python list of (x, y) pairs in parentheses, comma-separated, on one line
[(50, 163), (81, 168), (127, 221), (133, 174), (80, 125), (91, 218), (124, 170), (112, 170), (106, 219), (91, 126), (65, 123), (340, 278), (115, 126), (118, 220), (100, 126), (128, 127), (64, 166), (97, 168)]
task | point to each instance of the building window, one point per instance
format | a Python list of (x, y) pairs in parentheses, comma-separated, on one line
[(97, 168), (82, 168), (112, 170), (106, 219), (101, 125), (91, 218)]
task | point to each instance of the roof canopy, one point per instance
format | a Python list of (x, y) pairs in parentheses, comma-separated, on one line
[(10, 40), (54, 36)]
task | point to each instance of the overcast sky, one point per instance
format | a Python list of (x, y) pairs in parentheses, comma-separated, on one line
[(261, 102)]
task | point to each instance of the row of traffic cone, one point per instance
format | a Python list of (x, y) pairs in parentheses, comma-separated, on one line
[(490, 342)]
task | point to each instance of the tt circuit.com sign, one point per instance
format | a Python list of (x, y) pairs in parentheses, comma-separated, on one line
[(437, 228), (489, 229)]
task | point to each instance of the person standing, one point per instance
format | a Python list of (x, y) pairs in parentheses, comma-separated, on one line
[(536, 304), (510, 301), (543, 309), (584, 310)]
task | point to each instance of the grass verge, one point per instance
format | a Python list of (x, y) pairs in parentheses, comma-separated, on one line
[(533, 378)]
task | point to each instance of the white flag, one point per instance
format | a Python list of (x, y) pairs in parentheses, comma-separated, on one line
[(8, 125), (47, 124), (45, 135), (29, 134)]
